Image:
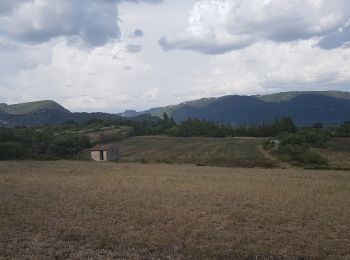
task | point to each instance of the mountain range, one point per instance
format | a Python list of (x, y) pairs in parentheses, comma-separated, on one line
[(306, 108)]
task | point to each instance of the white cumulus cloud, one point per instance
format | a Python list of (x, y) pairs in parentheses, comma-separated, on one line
[(219, 26)]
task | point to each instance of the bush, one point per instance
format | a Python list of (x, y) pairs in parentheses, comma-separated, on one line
[(295, 152), (294, 147), (11, 151), (313, 137), (6, 135), (288, 138), (68, 145), (310, 137), (312, 158)]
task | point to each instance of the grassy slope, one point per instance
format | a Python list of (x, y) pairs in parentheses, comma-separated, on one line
[(286, 96), (199, 150), (25, 108), (77, 210)]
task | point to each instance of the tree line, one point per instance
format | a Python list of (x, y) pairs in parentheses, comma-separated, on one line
[(40, 144), (196, 127), (66, 141)]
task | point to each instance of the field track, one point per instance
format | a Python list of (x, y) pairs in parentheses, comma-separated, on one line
[(81, 210)]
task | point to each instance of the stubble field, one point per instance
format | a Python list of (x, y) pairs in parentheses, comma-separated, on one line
[(82, 210)]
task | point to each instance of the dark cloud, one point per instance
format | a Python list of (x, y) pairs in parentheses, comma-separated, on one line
[(93, 22), (138, 33), (138, 1), (7, 6), (133, 48), (202, 46), (339, 38)]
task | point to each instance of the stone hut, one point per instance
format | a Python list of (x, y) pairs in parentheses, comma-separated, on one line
[(105, 153)]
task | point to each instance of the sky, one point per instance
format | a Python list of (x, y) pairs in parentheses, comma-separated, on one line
[(113, 55)]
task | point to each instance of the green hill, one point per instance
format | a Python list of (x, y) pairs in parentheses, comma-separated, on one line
[(26, 108), (199, 104), (305, 107), (287, 96)]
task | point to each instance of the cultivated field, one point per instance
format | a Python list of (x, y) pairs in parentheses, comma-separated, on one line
[(86, 210), (242, 152)]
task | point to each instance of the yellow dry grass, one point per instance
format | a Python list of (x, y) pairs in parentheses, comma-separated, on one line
[(83, 210)]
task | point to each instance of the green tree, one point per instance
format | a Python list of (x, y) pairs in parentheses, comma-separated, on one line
[(11, 151)]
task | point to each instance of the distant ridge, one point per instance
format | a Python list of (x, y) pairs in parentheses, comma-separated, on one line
[(305, 107), (286, 96), (30, 107), (45, 112)]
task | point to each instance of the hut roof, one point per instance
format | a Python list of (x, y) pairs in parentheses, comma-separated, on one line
[(102, 147)]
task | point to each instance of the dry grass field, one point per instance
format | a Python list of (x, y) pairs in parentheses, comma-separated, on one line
[(238, 152), (86, 210)]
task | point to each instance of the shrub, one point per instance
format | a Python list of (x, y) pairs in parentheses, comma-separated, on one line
[(312, 158), (311, 137), (294, 148), (295, 152), (174, 131), (288, 138), (11, 151)]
